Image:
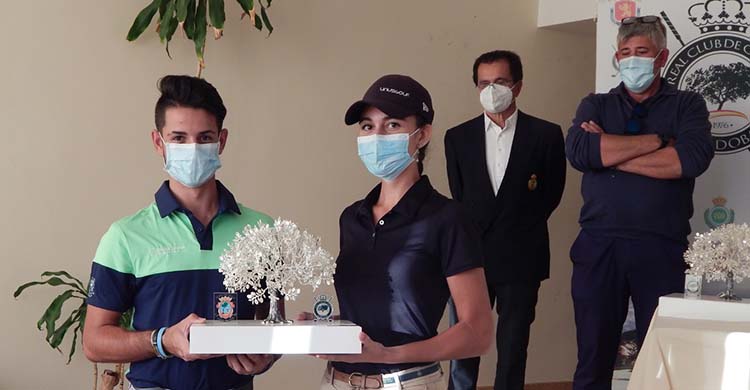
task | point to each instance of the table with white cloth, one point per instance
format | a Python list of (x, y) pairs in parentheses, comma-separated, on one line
[(695, 344)]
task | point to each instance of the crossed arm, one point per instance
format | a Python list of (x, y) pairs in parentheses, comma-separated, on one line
[(590, 148), (639, 154)]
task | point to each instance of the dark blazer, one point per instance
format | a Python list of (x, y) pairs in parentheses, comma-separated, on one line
[(513, 223)]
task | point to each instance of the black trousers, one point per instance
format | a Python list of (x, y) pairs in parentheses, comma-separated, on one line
[(607, 272), (515, 305)]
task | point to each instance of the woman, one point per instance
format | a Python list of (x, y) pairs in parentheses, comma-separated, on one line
[(404, 250)]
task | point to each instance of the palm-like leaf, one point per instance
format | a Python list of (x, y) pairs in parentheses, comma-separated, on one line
[(55, 331), (194, 17)]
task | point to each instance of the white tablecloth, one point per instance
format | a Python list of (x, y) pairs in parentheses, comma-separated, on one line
[(699, 354)]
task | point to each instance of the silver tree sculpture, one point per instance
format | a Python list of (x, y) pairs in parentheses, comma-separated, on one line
[(273, 260)]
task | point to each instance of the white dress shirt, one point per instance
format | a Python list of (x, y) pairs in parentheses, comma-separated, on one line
[(498, 142)]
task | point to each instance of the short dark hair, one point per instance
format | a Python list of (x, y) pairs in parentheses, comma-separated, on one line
[(188, 91), (513, 60)]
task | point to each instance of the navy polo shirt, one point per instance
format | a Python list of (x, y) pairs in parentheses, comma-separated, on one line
[(622, 204), (164, 263), (391, 275)]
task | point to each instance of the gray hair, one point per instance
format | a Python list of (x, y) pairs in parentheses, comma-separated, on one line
[(656, 32)]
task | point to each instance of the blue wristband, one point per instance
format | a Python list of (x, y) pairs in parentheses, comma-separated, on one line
[(159, 346)]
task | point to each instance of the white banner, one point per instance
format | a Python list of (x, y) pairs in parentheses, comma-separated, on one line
[(709, 49)]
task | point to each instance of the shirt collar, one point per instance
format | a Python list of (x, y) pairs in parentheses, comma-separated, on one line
[(510, 123), (167, 203), (408, 205)]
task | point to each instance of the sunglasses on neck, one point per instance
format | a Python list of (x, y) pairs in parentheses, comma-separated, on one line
[(634, 125)]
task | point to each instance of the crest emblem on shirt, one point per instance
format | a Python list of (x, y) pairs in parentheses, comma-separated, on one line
[(322, 308), (719, 214), (225, 306), (716, 64)]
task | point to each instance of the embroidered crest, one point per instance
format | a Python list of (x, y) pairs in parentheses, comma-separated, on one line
[(225, 306)]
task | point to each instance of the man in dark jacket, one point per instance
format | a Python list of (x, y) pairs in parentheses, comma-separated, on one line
[(508, 169)]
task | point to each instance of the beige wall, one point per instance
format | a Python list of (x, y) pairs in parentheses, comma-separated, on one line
[(556, 12), (76, 108)]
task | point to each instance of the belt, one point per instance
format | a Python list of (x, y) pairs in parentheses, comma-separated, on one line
[(377, 381)]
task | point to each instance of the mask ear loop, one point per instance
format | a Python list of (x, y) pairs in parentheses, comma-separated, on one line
[(658, 74), (164, 147), (615, 63), (415, 156)]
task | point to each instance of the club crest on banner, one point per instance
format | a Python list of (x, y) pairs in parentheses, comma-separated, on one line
[(716, 64), (719, 214), (621, 9)]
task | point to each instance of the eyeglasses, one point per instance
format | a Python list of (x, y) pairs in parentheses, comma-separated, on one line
[(634, 125), (504, 82), (640, 19)]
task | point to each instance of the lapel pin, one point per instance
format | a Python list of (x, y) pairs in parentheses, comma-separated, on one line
[(532, 183)]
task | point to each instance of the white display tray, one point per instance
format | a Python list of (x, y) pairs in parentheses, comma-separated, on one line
[(704, 308), (254, 337)]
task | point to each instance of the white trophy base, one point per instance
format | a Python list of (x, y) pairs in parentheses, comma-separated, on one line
[(255, 337)]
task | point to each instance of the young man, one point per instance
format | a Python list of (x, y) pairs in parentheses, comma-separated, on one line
[(162, 261), (640, 147), (508, 168)]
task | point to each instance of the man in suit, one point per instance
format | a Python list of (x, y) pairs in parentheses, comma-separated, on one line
[(508, 169)]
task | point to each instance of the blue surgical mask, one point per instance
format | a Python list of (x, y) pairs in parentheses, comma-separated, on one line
[(191, 164), (386, 156), (637, 73)]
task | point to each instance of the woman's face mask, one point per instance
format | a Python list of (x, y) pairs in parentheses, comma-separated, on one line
[(386, 156)]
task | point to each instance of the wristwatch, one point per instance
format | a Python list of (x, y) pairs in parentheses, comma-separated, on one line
[(154, 342), (664, 140)]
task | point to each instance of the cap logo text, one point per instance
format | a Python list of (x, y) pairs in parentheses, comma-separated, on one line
[(394, 91)]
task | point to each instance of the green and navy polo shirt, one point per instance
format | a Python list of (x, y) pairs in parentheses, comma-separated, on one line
[(164, 263)]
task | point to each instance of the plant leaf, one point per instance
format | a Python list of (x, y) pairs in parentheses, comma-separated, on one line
[(126, 320), (246, 5), (55, 281), (182, 10), (201, 25), (258, 23), (142, 20), (268, 3), (266, 21), (52, 314), (59, 334), (216, 13), (163, 9), (67, 275), (82, 309), (189, 25), (76, 331), (168, 22)]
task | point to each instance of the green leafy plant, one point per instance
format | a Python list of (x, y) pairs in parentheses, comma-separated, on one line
[(193, 17), (50, 322)]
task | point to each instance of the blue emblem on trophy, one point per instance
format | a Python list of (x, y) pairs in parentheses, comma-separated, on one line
[(323, 309)]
